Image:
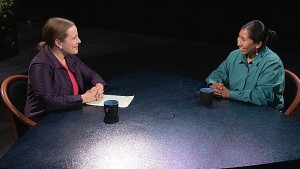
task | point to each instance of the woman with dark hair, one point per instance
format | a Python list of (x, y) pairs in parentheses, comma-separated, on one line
[(253, 73), (56, 76)]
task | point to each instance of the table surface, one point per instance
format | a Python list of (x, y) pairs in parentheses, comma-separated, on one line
[(165, 126)]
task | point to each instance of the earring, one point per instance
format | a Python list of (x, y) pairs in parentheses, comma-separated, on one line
[(256, 52), (60, 47)]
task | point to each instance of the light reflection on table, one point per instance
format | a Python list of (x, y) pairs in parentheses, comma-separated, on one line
[(163, 127)]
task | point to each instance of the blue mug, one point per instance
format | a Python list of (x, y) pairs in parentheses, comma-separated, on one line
[(206, 95), (111, 111)]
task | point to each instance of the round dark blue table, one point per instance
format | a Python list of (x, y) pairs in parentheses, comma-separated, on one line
[(165, 126)]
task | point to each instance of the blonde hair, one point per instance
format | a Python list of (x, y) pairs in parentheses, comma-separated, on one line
[(54, 28)]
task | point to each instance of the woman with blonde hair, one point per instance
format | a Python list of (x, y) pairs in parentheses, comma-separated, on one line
[(56, 76)]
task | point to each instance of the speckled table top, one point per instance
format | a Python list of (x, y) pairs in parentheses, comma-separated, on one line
[(165, 126)]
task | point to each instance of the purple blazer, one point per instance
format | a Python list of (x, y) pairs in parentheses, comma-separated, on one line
[(49, 86)]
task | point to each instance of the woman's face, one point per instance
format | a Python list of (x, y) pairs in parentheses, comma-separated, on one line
[(71, 42), (246, 45)]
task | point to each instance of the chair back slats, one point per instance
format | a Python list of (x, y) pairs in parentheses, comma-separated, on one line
[(292, 92), (14, 93)]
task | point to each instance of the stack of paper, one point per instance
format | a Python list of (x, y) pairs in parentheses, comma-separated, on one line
[(124, 101)]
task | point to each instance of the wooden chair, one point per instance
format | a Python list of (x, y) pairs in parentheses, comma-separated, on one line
[(291, 93), (14, 93)]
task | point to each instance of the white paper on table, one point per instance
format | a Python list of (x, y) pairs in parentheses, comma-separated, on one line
[(124, 101)]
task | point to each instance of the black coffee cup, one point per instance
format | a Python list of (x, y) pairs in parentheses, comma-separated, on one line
[(111, 111), (206, 95)]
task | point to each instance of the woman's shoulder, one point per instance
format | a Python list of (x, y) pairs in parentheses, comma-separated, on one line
[(40, 57), (270, 55), (235, 54), (270, 58)]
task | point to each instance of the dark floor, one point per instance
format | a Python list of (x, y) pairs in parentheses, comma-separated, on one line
[(113, 53)]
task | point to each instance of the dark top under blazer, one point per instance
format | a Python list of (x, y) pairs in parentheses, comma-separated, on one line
[(49, 85)]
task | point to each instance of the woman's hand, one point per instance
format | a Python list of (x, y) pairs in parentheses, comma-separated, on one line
[(100, 90), (220, 90), (89, 96), (95, 93)]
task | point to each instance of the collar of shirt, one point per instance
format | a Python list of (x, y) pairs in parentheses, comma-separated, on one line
[(53, 59), (257, 59)]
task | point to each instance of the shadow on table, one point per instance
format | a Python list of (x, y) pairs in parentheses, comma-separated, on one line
[(285, 164)]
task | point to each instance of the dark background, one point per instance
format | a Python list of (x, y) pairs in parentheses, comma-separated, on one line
[(206, 21)]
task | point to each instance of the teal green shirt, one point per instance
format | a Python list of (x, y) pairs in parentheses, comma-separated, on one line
[(260, 82)]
